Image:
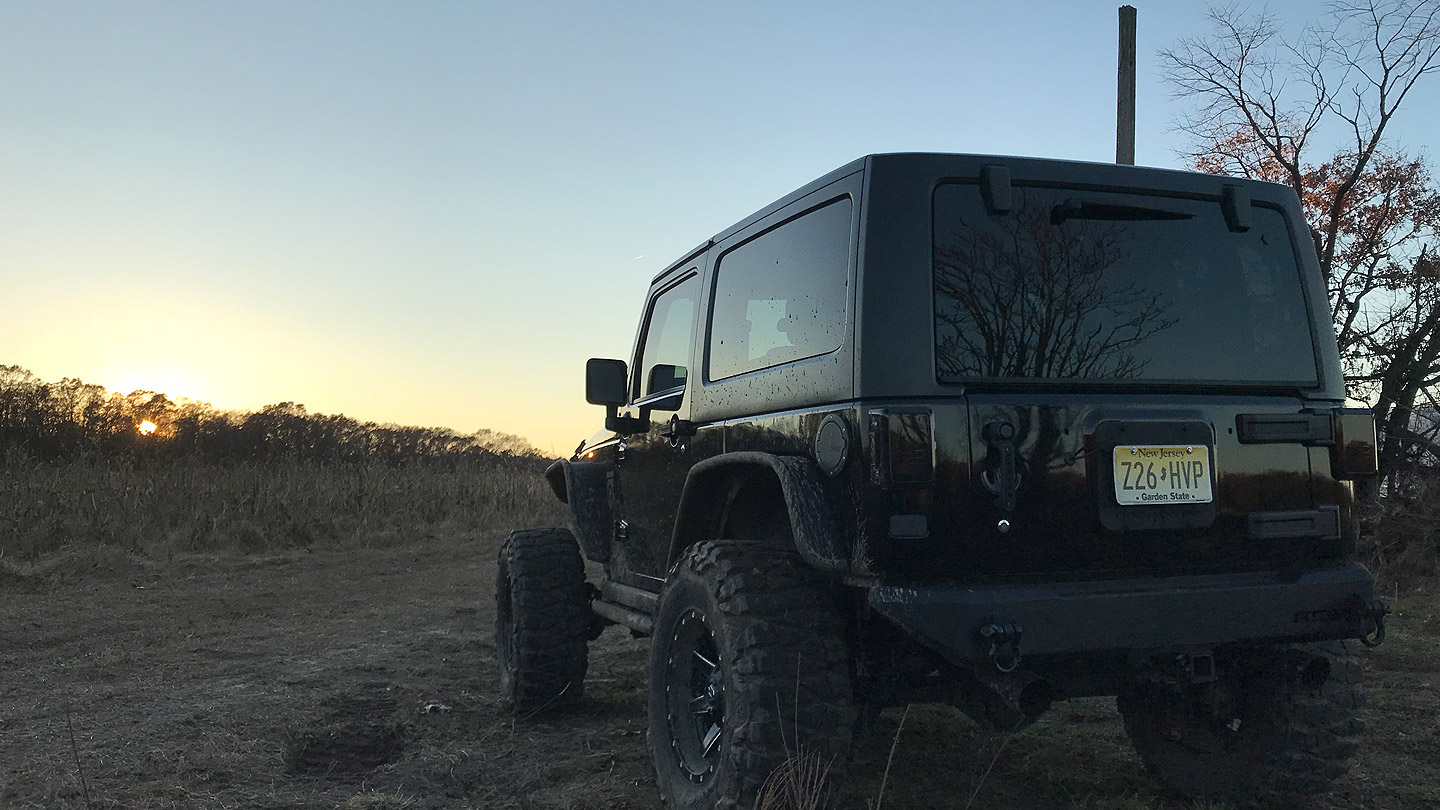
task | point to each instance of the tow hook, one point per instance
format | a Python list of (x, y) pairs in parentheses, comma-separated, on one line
[(1002, 642), (1369, 615), (1376, 610)]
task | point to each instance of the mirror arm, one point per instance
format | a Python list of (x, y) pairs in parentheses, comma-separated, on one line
[(626, 425)]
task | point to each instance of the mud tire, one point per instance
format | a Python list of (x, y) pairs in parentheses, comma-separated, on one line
[(1292, 740), (776, 629), (542, 621)]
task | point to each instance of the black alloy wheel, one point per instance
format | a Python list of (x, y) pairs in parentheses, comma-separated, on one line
[(749, 671), (695, 696)]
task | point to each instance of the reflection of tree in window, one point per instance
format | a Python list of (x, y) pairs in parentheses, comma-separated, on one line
[(1018, 296)]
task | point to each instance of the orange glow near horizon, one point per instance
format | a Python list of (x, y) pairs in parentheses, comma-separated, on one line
[(146, 427)]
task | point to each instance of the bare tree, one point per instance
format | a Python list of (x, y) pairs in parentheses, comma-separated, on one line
[(1027, 299), (1261, 107)]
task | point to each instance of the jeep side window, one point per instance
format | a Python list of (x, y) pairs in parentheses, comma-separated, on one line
[(781, 296), (666, 348)]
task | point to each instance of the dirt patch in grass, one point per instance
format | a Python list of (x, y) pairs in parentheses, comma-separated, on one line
[(364, 678), (357, 734)]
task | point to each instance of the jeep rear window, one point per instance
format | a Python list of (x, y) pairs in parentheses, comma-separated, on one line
[(1081, 285)]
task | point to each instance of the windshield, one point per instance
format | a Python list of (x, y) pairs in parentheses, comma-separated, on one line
[(1083, 285)]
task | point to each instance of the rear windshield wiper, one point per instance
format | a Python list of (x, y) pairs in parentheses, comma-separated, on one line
[(1082, 209)]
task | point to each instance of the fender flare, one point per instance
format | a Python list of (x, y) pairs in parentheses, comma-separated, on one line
[(585, 487), (812, 517), (555, 476)]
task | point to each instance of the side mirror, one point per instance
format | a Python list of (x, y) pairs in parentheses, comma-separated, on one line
[(666, 378), (605, 382), (667, 389)]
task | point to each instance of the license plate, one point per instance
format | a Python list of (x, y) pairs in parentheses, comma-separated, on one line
[(1149, 474)]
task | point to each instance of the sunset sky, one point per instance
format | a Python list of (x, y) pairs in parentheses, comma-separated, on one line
[(432, 213)]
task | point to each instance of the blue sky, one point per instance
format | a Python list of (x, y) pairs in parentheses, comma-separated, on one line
[(433, 213)]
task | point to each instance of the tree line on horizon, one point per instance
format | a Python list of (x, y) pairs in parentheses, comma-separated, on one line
[(72, 419)]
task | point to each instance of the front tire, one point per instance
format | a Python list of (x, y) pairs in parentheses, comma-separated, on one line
[(749, 679), (542, 620), (1274, 736)]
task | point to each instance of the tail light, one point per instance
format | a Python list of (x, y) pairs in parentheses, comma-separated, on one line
[(902, 447), (1355, 453)]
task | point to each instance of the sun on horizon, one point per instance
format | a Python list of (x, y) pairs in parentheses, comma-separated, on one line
[(146, 427)]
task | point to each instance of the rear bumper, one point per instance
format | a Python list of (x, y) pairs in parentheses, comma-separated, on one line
[(1136, 614)]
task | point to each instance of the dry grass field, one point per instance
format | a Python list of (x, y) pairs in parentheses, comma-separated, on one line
[(159, 508), (349, 663)]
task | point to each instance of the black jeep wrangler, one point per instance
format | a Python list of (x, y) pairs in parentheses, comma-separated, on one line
[(986, 431)]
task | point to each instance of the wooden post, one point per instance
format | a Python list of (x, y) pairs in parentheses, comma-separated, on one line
[(1125, 89)]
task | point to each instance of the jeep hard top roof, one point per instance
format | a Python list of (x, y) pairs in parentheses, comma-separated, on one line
[(896, 221), (941, 166)]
